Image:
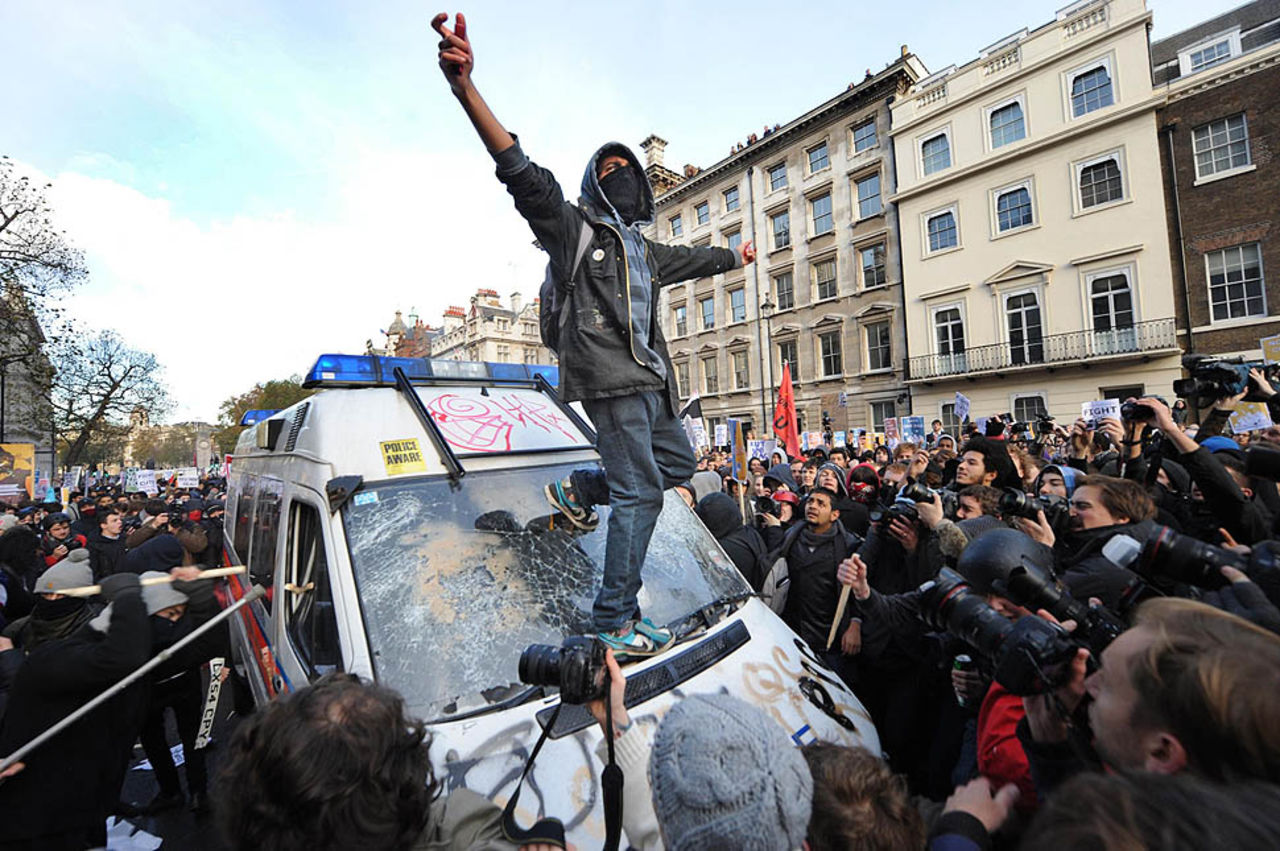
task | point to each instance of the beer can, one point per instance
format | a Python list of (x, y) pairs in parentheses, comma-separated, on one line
[(963, 662)]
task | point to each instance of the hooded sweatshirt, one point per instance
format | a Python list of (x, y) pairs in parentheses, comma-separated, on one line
[(743, 544)]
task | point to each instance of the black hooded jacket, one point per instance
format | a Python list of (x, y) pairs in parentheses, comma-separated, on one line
[(1088, 573), (599, 357), (743, 544)]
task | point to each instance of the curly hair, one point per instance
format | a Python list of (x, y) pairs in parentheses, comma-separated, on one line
[(334, 765), (859, 804)]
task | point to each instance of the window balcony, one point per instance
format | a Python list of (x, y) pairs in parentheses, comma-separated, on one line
[(1140, 339)]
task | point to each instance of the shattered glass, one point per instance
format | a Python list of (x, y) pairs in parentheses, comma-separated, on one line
[(456, 581)]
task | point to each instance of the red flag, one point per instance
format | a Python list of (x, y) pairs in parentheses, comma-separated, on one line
[(784, 415)]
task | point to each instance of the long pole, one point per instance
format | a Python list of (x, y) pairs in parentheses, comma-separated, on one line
[(111, 692), (755, 277)]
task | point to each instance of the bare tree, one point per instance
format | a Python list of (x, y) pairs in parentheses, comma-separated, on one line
[(102, 381)]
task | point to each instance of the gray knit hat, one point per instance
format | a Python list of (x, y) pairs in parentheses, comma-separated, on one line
[(726, 776), (68, 573), (155, 597)]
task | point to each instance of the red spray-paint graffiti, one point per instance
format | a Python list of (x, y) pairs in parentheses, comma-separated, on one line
[(486, 425)]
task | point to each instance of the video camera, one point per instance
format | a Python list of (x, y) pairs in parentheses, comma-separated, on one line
[(1215, 378), (920, 492), (576, 668)]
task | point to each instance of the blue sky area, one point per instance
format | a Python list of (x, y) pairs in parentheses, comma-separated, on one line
[(254, 183)]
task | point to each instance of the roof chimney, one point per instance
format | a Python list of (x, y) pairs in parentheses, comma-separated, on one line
[(515, 302), (905, 51), (654, 148)]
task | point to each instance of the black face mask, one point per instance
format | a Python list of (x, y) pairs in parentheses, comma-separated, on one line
[(51, 610), (164, 632), (622, 187)]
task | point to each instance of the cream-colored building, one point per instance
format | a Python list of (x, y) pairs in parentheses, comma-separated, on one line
[(824, 294), (486, 331), (1035, 249)]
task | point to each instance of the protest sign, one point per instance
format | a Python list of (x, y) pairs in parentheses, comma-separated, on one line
[(962, 406), (1250, 416), (722, 434), (1094, 411), (762, 449), (1270, 348), (912, 429), (188, 477), (839, 439), (891, 431), (146, 481)]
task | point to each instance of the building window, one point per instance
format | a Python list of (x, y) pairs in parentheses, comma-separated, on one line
[(785, 291), (1029, 409), (1101, 183), (682, 380), (1013, 209), (731, 199), (504, 354), (864, 136), (824, 278), (780, 224), (942, 231), (707, 306), (733, 240), (818, 158), (822, 218), (777, 177), (1026, 339), (949, 326), (1235, 282), (873, 266), (740, 376), (710, 375), (677, 226), (935, 153), (1111, 301), (737, 305), (530, 356), (1207, 57), (682, 320), (950, 425), (1091, 90), (832, 357), (703, 211), (1007, 124), (879, 354), (787, 357), (869, 196), (1221, 145), (881, 411)]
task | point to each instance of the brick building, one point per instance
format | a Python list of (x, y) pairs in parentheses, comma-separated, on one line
[(1219, 136)]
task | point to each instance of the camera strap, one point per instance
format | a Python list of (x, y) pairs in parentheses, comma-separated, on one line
[(551, 830)]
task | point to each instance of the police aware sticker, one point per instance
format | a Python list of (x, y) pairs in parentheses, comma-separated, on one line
[(365, 498), (402, 456)]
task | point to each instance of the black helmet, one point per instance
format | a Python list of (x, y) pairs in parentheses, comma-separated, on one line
[(991, 558)]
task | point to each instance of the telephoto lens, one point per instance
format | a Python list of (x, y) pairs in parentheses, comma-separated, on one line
[(1181, 558), (576, 668)]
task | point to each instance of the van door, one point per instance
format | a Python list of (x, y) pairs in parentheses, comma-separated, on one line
[(306, 602)]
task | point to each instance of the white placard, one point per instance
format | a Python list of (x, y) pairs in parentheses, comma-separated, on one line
[(1250, 416), (188, 477), (146, 481), (1100, 409), (962, 406), (722, 434)]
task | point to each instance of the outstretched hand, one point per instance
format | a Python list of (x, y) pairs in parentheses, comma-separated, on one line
[(748, 252), (456, 59)]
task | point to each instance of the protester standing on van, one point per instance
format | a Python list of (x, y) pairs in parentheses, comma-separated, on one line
[(613, 357)]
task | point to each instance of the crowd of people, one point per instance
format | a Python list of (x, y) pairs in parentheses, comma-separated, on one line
[(64, 641)]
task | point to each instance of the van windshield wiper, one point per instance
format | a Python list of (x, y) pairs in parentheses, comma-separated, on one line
[(711, 613), (517, 699), (447, 456)]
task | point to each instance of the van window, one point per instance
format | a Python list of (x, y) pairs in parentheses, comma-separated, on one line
[(242, 532), (455, 581), (266, 528), (310, 619)]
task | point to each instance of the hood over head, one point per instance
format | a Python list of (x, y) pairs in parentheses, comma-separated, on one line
[(720, 514), (1070, 476), (632, 191), (781, 473)]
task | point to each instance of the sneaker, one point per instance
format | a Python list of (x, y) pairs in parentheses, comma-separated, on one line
[(637, 640), (562, 498)]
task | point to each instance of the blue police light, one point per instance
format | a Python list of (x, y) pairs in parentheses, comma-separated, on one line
[(335, 370), (459, 369), (550, 373), (257, 416)]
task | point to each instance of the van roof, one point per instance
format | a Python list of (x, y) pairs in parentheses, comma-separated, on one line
[(382, 417)]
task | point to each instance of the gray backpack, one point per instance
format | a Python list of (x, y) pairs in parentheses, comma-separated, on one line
[(554, 298)]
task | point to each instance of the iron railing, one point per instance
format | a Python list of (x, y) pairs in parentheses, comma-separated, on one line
[(1055, 349)]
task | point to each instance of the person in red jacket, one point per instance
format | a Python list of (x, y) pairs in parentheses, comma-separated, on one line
[(58, 540)]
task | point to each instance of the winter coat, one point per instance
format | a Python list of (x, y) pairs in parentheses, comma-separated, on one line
[(49, 546), (463, 820), (105, 553), (600, 356), (1088, 573), (743, 544), (21, 554), (180, 549)]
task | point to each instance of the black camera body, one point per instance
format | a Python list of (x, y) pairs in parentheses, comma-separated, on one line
[(1030, 656), (576, 668), (1017, 503), (920, 492), (900, 507), (767, 505)]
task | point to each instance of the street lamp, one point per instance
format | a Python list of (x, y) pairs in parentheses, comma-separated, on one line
[(766, 354)]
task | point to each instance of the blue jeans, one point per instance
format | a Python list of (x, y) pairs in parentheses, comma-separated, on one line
[(645, 452)]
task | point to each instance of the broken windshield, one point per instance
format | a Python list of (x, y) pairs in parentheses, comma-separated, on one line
[(456, 581)]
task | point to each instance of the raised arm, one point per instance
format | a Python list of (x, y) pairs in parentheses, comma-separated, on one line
[(457, 62)]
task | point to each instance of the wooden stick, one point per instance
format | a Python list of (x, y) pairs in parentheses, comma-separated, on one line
[(835, 624), (91, 590)]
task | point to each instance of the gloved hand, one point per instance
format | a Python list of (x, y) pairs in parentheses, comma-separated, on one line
[(1244, 598), (117, 583)]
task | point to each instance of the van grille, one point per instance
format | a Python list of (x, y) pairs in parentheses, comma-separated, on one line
[(673, 670), (296, 426)]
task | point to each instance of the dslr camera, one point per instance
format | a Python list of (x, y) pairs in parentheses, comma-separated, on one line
[(920, 492), (1016, 503), (901, 507), (1213, 378), (1173, 557), (576, 668)]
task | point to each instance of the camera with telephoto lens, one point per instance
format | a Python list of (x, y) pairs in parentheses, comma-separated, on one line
[(1015, 502), (767, 505), (1215, 378), (1169, 555), (920, 492), (1139, 413), (901, 507), (1030, 655), (577, 668)]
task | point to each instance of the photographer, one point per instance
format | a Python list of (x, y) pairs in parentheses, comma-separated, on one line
[(784, 513), (743, 544), (1222, 484)]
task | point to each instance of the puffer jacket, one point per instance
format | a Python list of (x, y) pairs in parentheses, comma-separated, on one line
[(599, 357)]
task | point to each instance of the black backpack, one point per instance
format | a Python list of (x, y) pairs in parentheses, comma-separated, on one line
[(554, 299)]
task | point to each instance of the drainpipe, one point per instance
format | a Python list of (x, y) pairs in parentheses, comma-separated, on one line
[(765, 419), (897, 229), (1177, 223)]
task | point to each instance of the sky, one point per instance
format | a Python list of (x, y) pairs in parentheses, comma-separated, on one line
[(256, 183)]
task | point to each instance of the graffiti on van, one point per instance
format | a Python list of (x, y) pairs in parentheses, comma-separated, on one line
[(504, 421)]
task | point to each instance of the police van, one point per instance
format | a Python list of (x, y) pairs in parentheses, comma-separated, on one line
[(397, 519)]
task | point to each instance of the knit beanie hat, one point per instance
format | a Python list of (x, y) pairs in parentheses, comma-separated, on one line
[(155, 597), (68, 573), (726, 776), (7, 522)]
